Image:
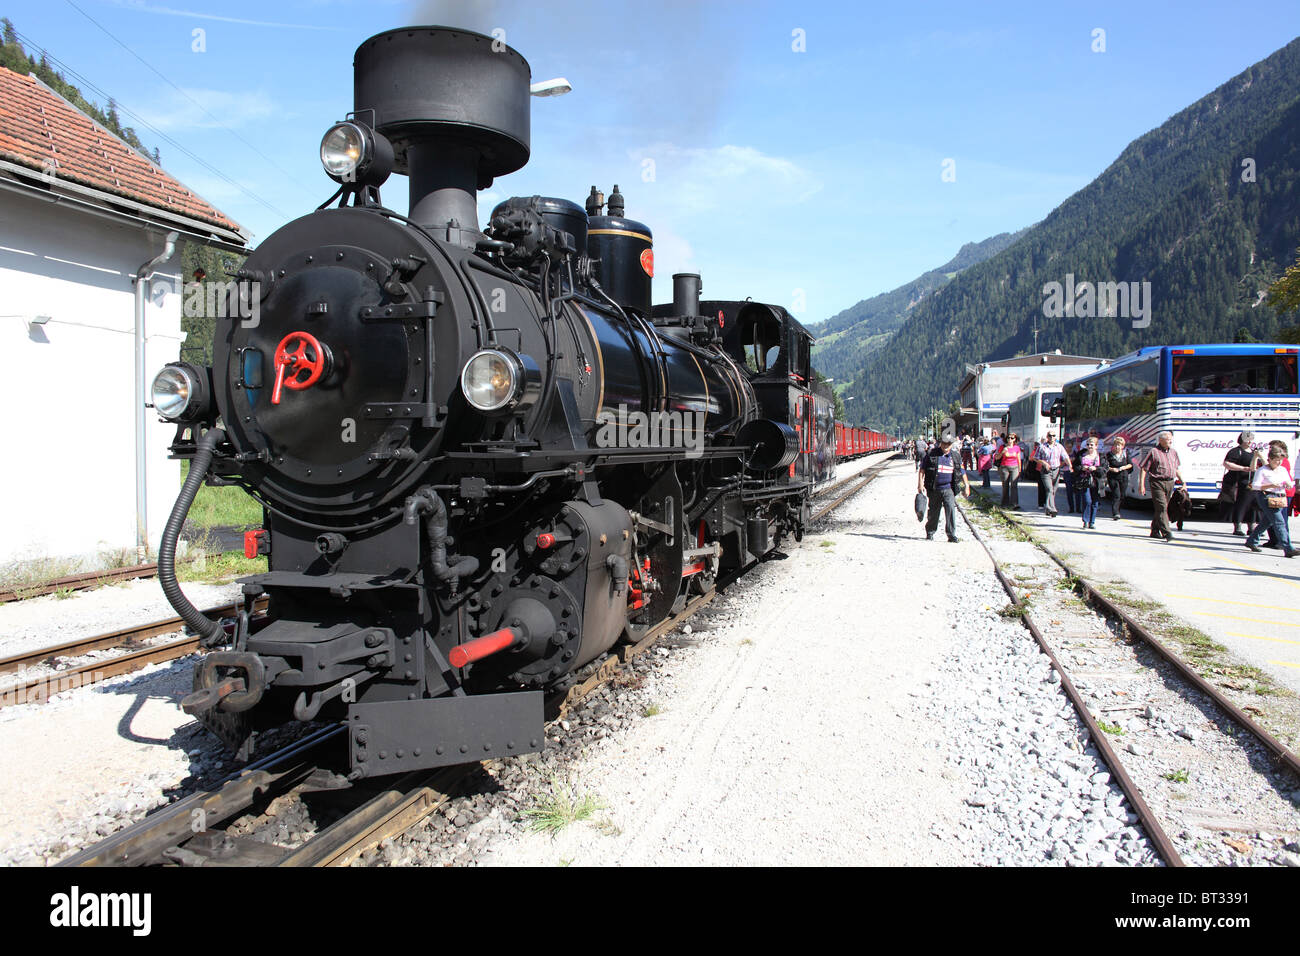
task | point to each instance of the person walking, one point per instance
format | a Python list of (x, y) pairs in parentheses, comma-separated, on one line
[(1073, 494), (1238, 467), (1269, 484), (967, 452), (1032, 470), (1051, 458), (1009, 458), (985, 461), (1088, 469), (938, 479), (1279, 446), (1163, 467), (1119, 468)]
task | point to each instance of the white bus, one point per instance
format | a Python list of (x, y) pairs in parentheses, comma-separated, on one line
[(1032, 415), (1204, 394)]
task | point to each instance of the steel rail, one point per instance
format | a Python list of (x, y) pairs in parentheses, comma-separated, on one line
[(80, 582), (1150, 823), (145, 841), (1281, 753), (96, 671)]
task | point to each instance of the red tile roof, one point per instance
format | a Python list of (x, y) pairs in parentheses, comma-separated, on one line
[(37, 126)]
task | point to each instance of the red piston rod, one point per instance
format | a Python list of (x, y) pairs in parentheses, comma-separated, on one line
[(485, 646)]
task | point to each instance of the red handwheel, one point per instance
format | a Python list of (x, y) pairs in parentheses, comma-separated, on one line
[(299, 363)]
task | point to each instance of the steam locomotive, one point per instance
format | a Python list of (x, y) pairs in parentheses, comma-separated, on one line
[(484, 457)]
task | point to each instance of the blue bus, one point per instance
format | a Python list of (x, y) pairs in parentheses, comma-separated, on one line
[(1204, 394)]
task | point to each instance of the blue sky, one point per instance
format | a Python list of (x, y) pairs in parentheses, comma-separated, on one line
[(810, 178)]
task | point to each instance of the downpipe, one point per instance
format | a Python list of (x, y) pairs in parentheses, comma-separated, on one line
[(143, 275)]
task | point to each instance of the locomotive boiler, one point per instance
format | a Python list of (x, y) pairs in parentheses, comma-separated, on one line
[(483, 457)]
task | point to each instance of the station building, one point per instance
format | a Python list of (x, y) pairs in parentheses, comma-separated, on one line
[(90, 309), (989, 388)]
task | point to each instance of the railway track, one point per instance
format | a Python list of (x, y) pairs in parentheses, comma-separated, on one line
[(138, 654), (1150, 820), (194, 830), (80, 582)]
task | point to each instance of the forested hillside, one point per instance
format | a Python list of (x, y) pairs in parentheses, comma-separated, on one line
[(1206, 208), (846, 339)]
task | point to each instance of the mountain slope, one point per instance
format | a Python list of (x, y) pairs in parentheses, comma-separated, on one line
[(1172, 210), (847, 338)]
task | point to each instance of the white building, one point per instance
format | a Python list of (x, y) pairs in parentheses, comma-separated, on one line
[(83, 218)]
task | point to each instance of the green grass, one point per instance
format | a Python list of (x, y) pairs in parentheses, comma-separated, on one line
[(556, 810), (27, 577), (1176, 776), (204, 564), (1014, 610), (653, 710), (224, 506), (1113, 729)]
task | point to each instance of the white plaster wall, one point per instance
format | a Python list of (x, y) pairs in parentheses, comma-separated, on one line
[(67, 399)]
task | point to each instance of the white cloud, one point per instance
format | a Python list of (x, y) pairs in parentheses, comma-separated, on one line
[(706, 178), (139, 7), (210, 109)]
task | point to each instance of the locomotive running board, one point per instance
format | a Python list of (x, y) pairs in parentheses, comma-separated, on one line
[(400, 735)]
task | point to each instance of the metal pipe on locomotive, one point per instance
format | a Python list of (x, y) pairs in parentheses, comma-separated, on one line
[(425, 411)]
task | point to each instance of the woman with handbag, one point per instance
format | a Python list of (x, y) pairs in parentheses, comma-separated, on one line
[(1008, 458), (1236, 498), (1087, 481), (1270, 485)]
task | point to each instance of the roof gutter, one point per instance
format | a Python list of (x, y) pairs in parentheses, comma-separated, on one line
[(143, 275), (20, 179)]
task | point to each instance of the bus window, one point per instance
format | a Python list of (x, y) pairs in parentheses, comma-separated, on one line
[(1263, 373)]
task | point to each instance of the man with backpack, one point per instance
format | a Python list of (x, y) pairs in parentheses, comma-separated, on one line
[(937, 478)]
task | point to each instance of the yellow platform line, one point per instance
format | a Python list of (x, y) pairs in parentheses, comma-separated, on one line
[(1262, 607), (1284, 664), (1260, 637), (1182, 545), (1255, 620)]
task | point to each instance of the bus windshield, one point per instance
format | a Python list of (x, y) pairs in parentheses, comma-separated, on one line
[(1268, 373)]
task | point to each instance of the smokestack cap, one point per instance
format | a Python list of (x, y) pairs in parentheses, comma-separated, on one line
[(429, 83)]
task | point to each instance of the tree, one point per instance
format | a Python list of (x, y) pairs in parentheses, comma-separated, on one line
[(1284, 294)]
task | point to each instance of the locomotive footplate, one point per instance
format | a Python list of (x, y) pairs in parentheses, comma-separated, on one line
[(401, 735)]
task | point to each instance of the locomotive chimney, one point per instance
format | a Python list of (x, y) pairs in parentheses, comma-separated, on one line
[(686, 293), (455, 105)]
